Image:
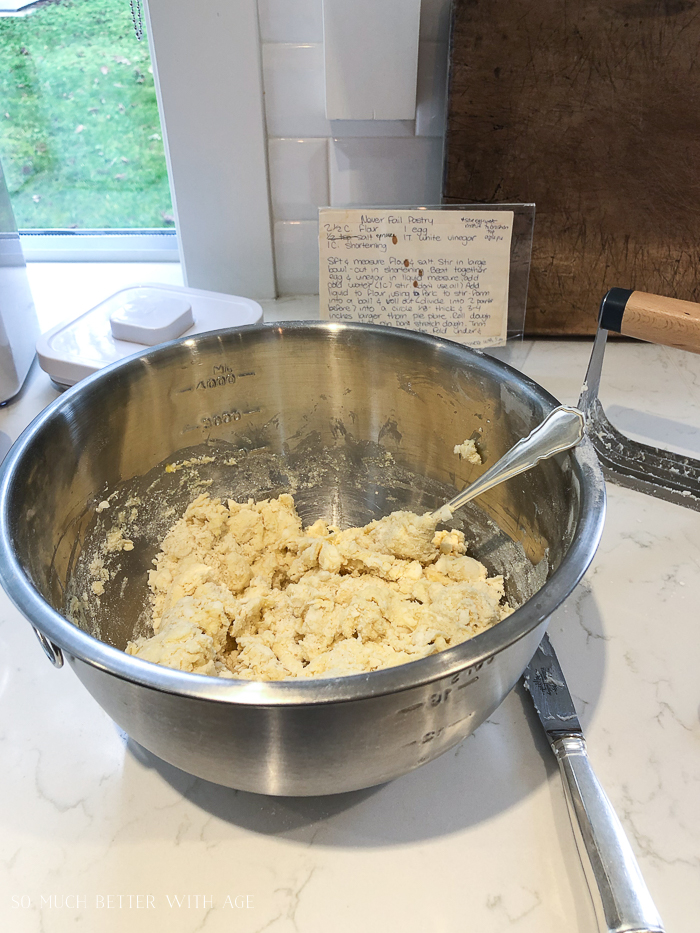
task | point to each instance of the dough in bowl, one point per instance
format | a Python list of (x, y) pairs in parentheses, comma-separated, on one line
[(241, 590)]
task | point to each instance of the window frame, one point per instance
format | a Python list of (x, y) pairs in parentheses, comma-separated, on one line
[(207, 68), (108, 245)]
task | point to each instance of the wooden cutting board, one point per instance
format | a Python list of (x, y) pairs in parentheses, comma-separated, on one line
[(590, 109)]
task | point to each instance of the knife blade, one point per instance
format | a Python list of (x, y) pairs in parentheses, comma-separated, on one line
[(620, 896)]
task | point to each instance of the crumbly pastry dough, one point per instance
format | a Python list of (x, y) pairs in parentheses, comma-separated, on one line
[(467, 451), (243, 591)]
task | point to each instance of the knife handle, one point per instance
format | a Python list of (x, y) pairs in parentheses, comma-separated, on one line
[(668, 321), (623, 903)]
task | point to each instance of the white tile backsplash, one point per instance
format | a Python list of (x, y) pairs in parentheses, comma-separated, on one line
[(431, 100), (298, 177), (296, 257), (294, 82), (291, 20), (385, 171), (373, 127), (314, 162), (371, 52)]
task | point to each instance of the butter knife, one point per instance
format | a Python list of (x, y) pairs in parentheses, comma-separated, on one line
[(622, 902)]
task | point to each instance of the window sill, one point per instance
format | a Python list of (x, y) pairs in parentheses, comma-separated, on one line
[(100, 245), (63, 290)]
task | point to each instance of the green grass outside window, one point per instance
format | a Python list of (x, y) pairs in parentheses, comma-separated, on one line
[(80, 137)]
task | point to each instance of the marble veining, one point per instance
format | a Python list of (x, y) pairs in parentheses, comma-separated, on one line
[(98, 834)]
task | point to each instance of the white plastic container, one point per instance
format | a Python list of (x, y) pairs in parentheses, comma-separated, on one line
[(133, 319)]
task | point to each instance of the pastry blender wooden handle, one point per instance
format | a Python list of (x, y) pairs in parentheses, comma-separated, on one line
[(668, 321)]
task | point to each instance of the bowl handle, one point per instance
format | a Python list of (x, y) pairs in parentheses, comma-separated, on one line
[(52, 652)]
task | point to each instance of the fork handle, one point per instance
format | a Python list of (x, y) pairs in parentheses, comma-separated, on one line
[(668, 321), (561, 430), (623, 903)]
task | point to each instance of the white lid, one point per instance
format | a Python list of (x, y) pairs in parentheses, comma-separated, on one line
[(77, 348), (151, 319)]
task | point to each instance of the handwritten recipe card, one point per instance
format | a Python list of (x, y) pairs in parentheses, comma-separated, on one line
[(442, 272)]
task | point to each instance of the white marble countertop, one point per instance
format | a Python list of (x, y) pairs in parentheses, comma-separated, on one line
[(99, 835)]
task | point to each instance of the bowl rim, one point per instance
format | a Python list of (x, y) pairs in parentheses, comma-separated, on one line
[(465, 657)]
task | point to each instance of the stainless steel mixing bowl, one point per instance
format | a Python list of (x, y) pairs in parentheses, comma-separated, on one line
[(360, 420)]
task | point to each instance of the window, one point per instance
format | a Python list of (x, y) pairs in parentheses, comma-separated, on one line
[(207, 71), (80, 136)]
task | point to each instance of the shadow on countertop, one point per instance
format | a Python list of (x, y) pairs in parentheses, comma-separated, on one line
[(491, 771)]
